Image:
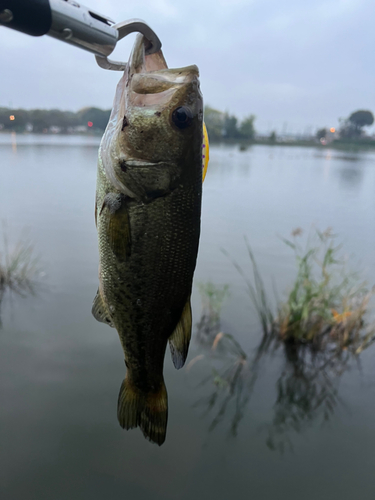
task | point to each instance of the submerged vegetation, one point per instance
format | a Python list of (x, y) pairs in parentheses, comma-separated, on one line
[(213, 297), (320, 328)]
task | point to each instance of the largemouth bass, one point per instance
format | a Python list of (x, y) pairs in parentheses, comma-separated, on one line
[(148, 208)]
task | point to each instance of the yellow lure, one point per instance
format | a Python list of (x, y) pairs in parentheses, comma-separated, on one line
[(205, 152)]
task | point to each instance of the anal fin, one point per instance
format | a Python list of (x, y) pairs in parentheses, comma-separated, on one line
[(180, 339), (100, 312)]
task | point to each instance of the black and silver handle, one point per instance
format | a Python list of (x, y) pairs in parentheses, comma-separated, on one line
[(73, 23), (66, 20)]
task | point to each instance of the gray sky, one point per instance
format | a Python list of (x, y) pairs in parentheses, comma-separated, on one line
[(295, 62)]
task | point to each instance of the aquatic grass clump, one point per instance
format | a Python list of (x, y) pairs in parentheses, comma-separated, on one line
[(19, 269), (327, 302)]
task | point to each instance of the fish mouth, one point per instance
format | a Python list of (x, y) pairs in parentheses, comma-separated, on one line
[(139, 163), (149, 74), (140, 63), (130, 162)]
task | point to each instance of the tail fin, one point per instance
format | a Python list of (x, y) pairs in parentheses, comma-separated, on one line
[(149, 411)]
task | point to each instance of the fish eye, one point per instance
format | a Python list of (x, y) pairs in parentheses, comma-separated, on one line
[(182, 117)]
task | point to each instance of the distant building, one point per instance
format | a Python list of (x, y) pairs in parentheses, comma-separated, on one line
[(77, 129)]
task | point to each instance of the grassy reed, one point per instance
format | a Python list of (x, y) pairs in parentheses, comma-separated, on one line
[(326, 304), (256, 290)]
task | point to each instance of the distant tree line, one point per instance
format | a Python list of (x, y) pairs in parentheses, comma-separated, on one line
[(225, 126), (351, 128), (220, 125), (42, 120)]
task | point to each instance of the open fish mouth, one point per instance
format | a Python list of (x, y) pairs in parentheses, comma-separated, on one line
[(139, 62), (149, 74)]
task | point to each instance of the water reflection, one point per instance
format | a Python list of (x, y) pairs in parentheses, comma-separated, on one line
[(212, 297), (328, 155), (14, 142), (351, 177), (233, 379), (307, 392), (350, 172)]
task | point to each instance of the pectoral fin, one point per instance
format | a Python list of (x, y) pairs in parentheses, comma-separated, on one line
[(118, 228), (119, 234), (180, 338), (100, 312)]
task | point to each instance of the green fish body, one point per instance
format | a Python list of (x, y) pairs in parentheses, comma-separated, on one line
[(148, 207)]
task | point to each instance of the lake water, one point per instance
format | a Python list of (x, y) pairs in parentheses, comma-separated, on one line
[(61, 370)]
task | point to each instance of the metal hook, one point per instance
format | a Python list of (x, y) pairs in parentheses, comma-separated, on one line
[(124, 29)]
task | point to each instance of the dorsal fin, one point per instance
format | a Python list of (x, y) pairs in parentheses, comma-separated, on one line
[(100, 311), (180, 339)]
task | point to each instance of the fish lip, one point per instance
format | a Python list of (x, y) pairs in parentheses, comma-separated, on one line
[(137, 56), (139, 62)]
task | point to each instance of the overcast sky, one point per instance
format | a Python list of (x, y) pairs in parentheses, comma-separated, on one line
[(292, 63)]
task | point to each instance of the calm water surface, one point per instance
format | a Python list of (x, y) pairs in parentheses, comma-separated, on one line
[(61, 370)]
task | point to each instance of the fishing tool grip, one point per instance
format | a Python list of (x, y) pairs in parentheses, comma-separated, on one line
[(66, 20)]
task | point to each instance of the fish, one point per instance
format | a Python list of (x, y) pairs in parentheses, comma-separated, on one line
[(147, 214)]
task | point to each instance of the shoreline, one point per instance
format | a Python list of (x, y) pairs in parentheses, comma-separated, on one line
[(244, 144), (340, 145)]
